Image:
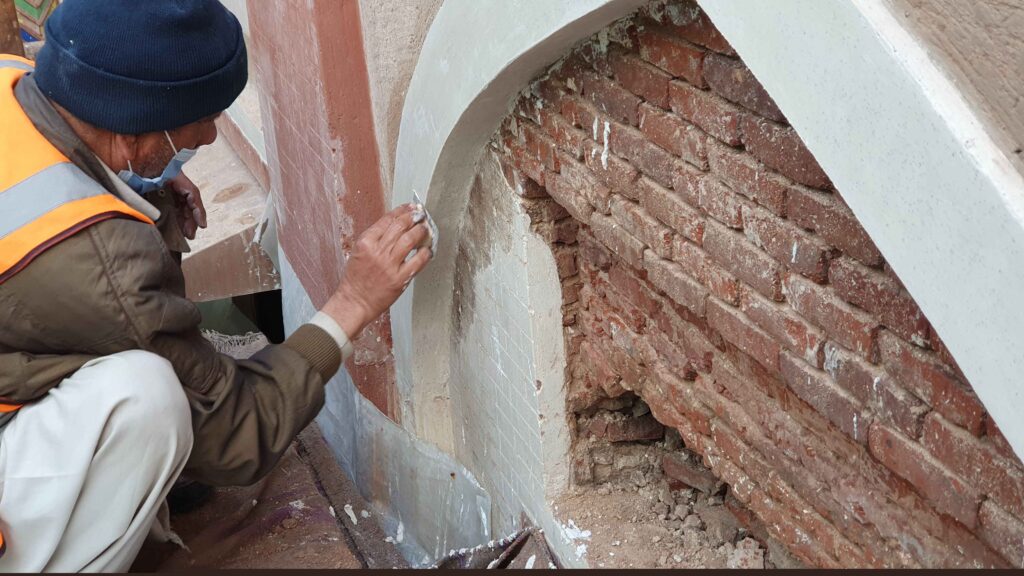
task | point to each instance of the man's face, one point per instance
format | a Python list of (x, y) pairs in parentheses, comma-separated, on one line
[(153, 152)]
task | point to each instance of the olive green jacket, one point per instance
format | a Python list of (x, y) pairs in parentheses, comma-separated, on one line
[(117, 286)]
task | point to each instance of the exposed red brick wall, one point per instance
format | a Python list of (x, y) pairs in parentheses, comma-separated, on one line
[(710, 266), (322, 156)]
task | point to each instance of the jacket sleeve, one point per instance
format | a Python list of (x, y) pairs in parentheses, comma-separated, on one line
[(245, 413)]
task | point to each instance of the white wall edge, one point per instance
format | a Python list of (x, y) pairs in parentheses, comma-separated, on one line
[(941, 201)]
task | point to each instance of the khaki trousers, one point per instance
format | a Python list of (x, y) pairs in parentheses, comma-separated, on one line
[(85, 470)]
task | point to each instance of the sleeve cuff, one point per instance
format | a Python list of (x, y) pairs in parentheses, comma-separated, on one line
[(328, 324)]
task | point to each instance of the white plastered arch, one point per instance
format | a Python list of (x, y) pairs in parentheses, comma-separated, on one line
[(476, 58)]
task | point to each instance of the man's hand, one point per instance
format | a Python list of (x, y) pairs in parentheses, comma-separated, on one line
[(189, 202), (379, 269)]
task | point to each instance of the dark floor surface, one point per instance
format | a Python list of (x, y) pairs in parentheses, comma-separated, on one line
[(293, 518)]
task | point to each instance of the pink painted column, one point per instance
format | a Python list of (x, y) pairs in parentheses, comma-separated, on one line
[(322, 155)]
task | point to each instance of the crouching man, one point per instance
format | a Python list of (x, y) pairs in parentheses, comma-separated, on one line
[(108, 392)]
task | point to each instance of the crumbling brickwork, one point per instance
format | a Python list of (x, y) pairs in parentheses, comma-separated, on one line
[(710, 267)]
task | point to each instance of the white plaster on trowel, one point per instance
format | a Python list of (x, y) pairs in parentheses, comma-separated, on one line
[(914, 164)]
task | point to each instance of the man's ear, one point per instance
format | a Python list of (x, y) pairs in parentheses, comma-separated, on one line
[(125, 148)]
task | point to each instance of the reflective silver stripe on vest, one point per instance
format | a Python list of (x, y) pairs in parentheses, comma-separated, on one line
[(42, 192), (4, 63)]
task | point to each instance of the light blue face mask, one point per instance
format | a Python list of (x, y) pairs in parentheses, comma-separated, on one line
[(147, 185)]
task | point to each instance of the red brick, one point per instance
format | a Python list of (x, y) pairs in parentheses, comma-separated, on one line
[(567, 71), (698, 264), (860, 485), (540, 145), (687, 184), (567, 137), (977, 463), (577, 177), (622, 243), (596, 56), (571, 291), (625, 282), (787, 243), (613, 172), (643, 226), (565, 262), (641, 78), (528, 108), (1002, 532), (581, 114), (687, 20), (654, 162), (551, 92), (689, 473), (611, 99), (675, 135), (732, 80), (671, 210), (687, 401), (523, 186), (563, 231), (712, 114), (745, 175), (569, 197), (876, 389), (832, 219), (881, 295), (850, 327), (527, 163), (677, 285), (732, 251), (817, 389), (683, 333), (595, 254), (741, 331), (625, 363), (672, 355), (673, 55), (922, 373), (947, 492), (792, 532), (596, 363), (781, 149), (785, 326), (719, 202)]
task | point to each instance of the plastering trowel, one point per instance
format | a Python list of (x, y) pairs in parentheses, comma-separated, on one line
[(422, 215)]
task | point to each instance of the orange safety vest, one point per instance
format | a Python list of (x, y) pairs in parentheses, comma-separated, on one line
[(44, 198)]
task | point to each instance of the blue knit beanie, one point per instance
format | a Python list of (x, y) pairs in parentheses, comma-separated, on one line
[(134, 66)]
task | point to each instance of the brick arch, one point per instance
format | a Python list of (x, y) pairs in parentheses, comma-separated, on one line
[(720, 275)]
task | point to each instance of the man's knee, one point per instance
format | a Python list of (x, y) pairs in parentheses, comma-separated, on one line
[(144, 396)]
